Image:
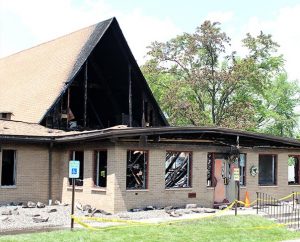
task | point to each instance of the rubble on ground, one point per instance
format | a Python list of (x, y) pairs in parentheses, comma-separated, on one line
[(37, 215)]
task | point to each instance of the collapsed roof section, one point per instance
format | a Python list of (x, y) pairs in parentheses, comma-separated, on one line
[(88, 79)]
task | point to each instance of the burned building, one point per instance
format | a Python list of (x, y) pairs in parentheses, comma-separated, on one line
[(83, 97)]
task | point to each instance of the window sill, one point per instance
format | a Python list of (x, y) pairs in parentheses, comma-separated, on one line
[(98, 189), (8, 187), (268, 186), (80, 189), (294, 185), (179, 189), (210, 188), (137, 190)]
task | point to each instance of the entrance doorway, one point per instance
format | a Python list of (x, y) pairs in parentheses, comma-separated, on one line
[(220, 175), (225, 186)]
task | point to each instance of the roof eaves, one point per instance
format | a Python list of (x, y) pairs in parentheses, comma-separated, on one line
[(26, 139), (173, 130)]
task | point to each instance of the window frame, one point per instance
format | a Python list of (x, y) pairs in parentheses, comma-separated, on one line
[(275, 169), (190, 171), (212, 170), (14, 169), (95, 168), (245, 170), (298, 158), (147, 169)]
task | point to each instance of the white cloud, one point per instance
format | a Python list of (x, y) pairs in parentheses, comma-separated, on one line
[(287, 33), (45, 20), (24, 24), (219, 16), (40, 21), (140, 30)]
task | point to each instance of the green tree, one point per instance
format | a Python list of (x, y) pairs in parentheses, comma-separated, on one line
[(197, 82), (277, 109)]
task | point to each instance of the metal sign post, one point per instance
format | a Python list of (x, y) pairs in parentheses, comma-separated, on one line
[(74, 170), (73, 200), (236, 176)]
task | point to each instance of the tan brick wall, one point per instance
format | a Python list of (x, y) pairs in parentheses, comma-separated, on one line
[(282, 188), (88, 194), (156, 194), (56, 175), (31, 177)]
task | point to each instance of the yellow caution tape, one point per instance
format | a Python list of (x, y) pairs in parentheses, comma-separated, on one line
[(263, 227), (283, 198), (243, 203), (87, 226), (108, 220), (131, 223)]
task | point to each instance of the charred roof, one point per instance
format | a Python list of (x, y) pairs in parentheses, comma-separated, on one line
[(36, 83), (24, 132)]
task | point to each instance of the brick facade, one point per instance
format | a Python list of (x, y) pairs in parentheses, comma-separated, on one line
[(31, 174), (32, 177)]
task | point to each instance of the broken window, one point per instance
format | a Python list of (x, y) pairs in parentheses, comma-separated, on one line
[(210, 169), (137, 169), (8, 176), (100, 168), (78, 155), (267, 170), (178, 169), (293, 170)]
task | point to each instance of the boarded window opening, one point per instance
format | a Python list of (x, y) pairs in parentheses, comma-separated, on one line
[(137, 166), (178, 169), (293, 170), (267, 170), (100, 168), (8, 176), (78, 155)]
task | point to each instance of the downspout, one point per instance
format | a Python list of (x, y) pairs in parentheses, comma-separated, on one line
[(50, 172)]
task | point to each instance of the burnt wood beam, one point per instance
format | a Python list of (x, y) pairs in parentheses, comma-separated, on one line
[(103, 80), (130, 95), (85, 94), (95, 113), (68, 107), (143, 111)]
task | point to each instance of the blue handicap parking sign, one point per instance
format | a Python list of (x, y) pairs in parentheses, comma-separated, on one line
[(74, 169)]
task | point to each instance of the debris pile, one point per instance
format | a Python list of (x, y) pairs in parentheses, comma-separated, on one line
[(89, 210)]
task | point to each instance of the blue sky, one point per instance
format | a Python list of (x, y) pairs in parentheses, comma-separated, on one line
[(24, 24)]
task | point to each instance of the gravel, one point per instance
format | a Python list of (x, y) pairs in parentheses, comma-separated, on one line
[(21, 219)]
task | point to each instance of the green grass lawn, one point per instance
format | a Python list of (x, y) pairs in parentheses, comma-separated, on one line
[(225, 228)]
